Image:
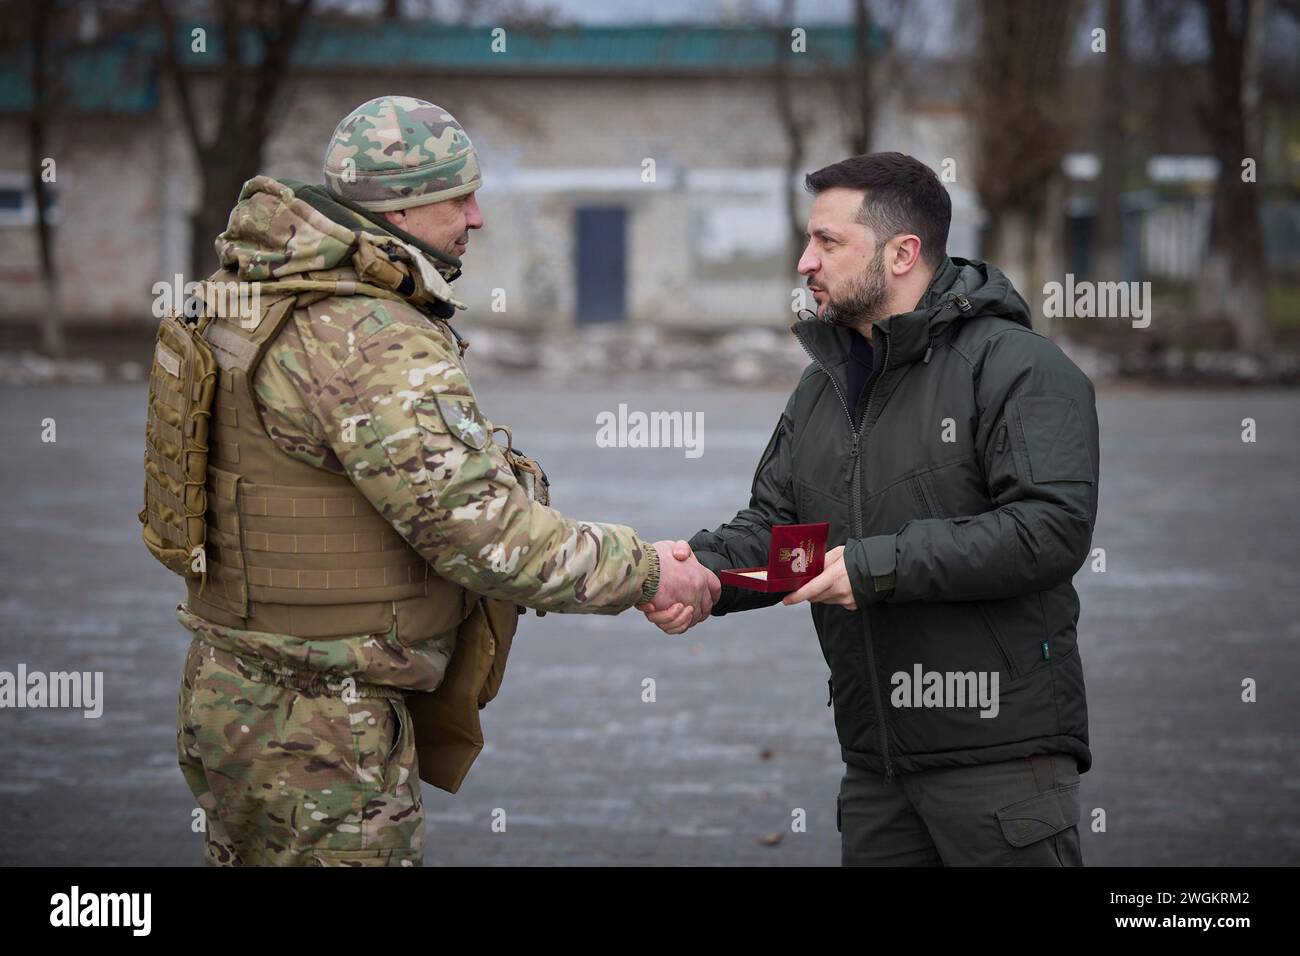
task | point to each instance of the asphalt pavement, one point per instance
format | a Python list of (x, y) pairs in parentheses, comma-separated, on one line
[(1201, 535)]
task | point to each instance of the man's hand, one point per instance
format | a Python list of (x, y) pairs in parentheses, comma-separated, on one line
[(830, 587), (687, 589)]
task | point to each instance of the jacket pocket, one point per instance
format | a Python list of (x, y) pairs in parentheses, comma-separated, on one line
[(953, 489), (843, 641), (813, 505), (909, 498), (1050, 431), (996, 638), (921, 493)]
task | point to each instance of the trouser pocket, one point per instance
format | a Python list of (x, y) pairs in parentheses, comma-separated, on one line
[(1041, 816), (1021, 812), (1044, 827)]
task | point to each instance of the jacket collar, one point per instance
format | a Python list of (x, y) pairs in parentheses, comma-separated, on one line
[(909, 334)]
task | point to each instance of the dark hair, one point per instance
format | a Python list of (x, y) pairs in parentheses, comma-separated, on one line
[(902, 195)]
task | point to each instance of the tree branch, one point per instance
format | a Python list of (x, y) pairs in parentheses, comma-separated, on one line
[(172, 66)]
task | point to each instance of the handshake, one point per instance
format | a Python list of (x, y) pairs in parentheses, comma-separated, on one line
[(687, 589)]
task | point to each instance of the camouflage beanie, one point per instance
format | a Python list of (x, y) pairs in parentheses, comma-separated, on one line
[(394, 152)]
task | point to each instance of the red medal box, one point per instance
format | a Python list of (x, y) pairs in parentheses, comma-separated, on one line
[(797, 555)]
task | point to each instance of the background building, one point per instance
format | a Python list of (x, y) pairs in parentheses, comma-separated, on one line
[(631, 174)]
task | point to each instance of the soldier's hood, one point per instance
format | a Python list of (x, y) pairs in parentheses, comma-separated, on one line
[(284, 229)]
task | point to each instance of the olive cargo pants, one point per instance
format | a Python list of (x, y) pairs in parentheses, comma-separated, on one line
[(291, 772), (1021, 812)]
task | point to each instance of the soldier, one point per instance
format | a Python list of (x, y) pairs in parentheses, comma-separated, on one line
[(367, 541)]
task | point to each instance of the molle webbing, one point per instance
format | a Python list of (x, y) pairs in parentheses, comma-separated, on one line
[(293, 548), (182, 380)]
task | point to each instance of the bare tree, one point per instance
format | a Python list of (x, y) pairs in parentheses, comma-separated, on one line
[(793, 124), (875, 53), (1109, 240), (1020, 115), (245, 97), (1235, 276), (874, 50), (43, 84), (860, 102), (27, 33)]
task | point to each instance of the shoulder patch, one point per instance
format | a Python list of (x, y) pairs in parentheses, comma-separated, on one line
[(463, 419)]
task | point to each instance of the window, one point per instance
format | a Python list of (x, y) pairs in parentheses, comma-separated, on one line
[(18, 201)]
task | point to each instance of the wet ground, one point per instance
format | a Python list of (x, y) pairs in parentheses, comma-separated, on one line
[(1202, 539)]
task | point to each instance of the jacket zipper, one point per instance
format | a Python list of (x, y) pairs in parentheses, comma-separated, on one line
[(857, 533), (856, 493)]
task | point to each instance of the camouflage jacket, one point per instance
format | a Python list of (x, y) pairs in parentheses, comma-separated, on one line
[(348, 386)]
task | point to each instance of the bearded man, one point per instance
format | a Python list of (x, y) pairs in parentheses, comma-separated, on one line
[(954, 453)]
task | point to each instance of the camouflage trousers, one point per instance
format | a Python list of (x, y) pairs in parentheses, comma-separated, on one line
[(291, 772)]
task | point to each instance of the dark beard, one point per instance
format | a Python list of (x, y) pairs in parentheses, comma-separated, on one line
[(864, 301)]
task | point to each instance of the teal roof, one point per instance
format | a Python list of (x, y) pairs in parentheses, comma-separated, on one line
[(121, 76), (579, 49), (113, 79)]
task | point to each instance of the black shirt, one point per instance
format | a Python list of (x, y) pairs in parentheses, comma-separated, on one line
[(859, 369)]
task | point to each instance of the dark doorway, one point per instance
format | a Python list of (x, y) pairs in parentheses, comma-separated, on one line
[(602, 264)]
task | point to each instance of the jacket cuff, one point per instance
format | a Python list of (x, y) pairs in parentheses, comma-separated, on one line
[(650, 583), (712, 560), (717, 563), (871, 564)]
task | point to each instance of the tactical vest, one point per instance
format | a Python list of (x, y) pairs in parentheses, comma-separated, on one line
[(292, 549)]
